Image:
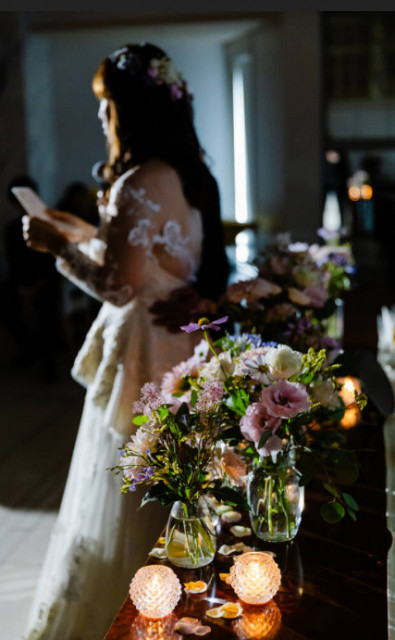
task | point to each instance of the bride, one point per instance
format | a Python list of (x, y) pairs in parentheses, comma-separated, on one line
[(160, 230)]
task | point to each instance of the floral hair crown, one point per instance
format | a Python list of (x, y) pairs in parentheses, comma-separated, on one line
[(160, 71)]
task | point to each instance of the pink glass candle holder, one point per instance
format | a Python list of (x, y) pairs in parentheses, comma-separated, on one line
[(155, 591), (255, 577)]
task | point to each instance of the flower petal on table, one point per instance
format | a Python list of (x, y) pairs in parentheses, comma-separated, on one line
[(240, 532), (227, 549), (224, 577), (195, 587), (223, 508), (231, 516), (214, 613), (231, 610), (228, 610), (187, 626), (158, 552), (203, 630), (161, 540)]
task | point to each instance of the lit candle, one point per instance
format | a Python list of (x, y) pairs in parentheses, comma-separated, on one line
[(352, 414), (155, 591), (255, 577)]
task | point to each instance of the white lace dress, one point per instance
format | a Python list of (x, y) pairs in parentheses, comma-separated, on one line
[(99, 539)]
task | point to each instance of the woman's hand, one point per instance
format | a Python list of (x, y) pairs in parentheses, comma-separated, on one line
[(77, 229), (43, 236)]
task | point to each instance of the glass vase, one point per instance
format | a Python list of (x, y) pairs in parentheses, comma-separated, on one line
[(190, 535), (275, 498)]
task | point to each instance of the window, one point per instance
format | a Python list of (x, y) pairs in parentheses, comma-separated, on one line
[(241, 83)]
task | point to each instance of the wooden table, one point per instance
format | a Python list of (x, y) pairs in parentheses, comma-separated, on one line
[(334, 577)]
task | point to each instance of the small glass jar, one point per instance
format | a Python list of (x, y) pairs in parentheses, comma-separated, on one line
[(190, 535), (275, 498)]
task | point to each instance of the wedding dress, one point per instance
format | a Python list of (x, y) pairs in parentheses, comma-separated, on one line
[(99, 539)]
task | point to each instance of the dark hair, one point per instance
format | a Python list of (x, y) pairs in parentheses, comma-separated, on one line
[(154, 119)]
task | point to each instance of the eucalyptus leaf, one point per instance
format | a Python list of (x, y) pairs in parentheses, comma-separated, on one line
[(331, 489), (332, 512), (350, 502), (352, 515)]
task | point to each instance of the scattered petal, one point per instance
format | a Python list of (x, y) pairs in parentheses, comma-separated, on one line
[(240, 532), (228, 610), (231, 610), (231, 516), (224, 577), (158, 552), (162, 540), (223, 508), (214, 613), (203, 630), (187, 626), (195, 587), (227, 549)]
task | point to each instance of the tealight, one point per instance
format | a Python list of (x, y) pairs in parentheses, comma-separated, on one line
[(352, 414), (255, 577), (155, 591)]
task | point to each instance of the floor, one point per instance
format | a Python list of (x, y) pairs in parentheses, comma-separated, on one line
[(39, 423)]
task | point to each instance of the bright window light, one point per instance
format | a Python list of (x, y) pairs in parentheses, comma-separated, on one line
[(242, 199)]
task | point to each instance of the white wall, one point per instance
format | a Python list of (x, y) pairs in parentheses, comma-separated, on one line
[(65, 138)]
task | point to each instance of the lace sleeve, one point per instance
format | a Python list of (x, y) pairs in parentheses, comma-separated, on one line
[(108, 267)]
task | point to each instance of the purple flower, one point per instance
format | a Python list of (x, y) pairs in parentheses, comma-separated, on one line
[(204, 324), (151, 395), (211, 394), (285, 399), (256, 421)]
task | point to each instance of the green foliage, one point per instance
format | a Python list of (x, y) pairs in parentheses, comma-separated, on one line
[(332, 512), (139, 420), (228, 495)]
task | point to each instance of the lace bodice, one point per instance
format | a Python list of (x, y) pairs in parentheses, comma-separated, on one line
[(133, 243)]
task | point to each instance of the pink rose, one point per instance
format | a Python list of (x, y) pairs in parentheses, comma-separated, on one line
[(285, 399), (256, 421)]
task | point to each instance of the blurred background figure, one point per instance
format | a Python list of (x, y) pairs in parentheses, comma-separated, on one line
[(30, 311)]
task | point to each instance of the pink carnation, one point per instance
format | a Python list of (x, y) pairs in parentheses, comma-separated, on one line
[(285, 399), (256, 421)]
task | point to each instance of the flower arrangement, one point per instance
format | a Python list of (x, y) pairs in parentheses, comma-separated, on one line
[(236, 400), (294, 292)]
